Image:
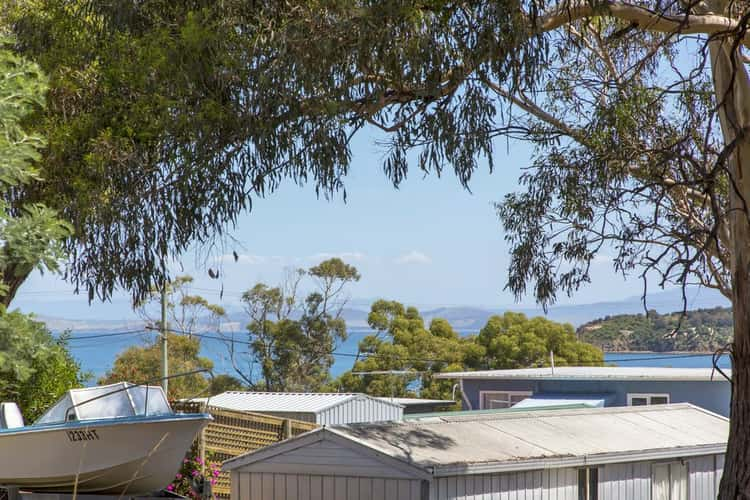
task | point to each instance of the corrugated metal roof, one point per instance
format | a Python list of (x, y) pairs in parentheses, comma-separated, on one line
[(434, 414), (297, 402), (510, 437), (471, 444), (592, 373)]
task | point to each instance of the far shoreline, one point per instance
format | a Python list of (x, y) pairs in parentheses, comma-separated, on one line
[(697, 353)]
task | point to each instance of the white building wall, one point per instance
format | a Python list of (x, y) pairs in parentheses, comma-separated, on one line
[(274, 486), (550, 484), (360, 410), (632, 481), (326, 471)]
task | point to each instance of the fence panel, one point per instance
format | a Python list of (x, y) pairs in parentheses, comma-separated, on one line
[(233, 433)]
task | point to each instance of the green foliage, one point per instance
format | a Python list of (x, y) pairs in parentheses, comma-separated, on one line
[(145, 128), (701, 330), (193, 468), (292, 339), (514, 341), (22, 90), (202, 105), (223, 382), (31, 234), (142, 363), (404, 344), (35, 368)]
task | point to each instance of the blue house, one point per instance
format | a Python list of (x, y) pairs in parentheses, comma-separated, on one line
[(593, 386)]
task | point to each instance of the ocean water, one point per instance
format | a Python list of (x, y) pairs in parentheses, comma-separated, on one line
[(96, 355), (657, 359)]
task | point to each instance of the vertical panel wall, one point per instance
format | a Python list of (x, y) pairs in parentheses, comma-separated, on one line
[(627, 481), (272, 486), (633, 480), (360, 410), (551, 484), (702, 482)]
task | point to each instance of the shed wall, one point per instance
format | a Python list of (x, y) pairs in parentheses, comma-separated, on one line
[(360, 410), (632, 481), (549, 484), (274, 486), (713, 396)]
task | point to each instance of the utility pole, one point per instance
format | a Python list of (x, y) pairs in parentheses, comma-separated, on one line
[(164, 328)]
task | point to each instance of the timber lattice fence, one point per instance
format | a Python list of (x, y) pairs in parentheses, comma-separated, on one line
[(233, 433)]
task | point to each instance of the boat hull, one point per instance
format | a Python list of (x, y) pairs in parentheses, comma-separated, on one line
[(132, 456)]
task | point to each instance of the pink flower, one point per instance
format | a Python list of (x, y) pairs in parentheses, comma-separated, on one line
[(178, 476), (213, 481), (216, 473), (170, 487), (198, 460), (186, 461), (196, 473)]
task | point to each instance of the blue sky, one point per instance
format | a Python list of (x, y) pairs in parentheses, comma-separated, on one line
[(428, 243)]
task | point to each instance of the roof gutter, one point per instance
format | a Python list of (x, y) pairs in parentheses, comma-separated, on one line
[(578, 461)]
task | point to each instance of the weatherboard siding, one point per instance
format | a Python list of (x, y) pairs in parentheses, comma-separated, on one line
[(713, 396), (276, 486), (360, 410), (364, 478), (632, 481), (549, 484)]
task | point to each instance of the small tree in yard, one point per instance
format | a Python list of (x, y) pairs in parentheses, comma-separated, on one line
[(292, 339), (186, 312), (142, 363)]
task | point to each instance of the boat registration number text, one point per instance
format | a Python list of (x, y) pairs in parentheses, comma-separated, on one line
[(83, 435)]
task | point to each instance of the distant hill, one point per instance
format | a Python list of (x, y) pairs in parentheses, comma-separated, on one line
[(64, 314), (699, 330)]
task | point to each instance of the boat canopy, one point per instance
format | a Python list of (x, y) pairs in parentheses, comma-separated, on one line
[(107, 401)]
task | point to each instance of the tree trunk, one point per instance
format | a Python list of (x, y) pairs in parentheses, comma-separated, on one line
[(13, 279), (732, 88)]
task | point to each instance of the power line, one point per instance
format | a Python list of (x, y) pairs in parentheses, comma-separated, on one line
[(430, 360), (106, 335), (657, 357), (361, 355)]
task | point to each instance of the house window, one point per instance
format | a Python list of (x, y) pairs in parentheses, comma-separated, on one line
[(489, 400), (669, 481), (647, 399), (588, 484)]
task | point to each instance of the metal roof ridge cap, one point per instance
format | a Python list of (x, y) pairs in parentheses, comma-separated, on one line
[(537, 413), (568, 461)]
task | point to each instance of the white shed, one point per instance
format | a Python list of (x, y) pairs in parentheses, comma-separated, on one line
[(318, 407), (664, 452)]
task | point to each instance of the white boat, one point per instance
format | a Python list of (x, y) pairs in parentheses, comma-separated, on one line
[(115, 439)]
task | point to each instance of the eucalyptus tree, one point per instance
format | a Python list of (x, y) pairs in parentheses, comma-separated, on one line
[(292, 337), (638, 113), (181, 112)]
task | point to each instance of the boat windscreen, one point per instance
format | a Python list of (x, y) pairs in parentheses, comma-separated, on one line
[(149, 400), (109, 401)]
